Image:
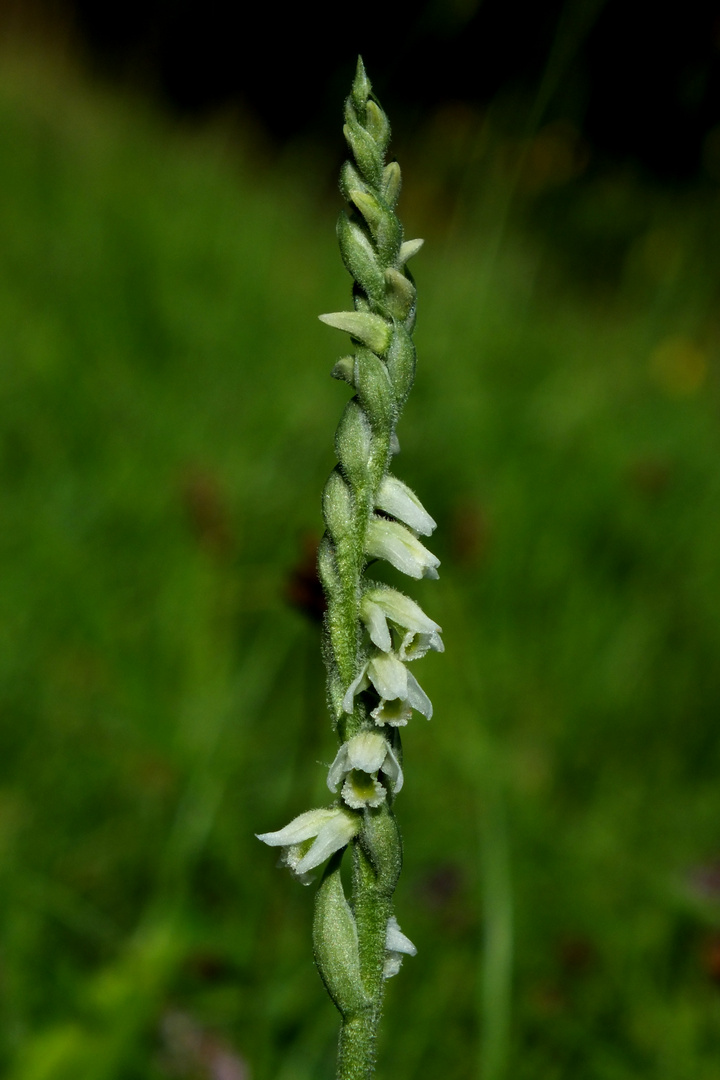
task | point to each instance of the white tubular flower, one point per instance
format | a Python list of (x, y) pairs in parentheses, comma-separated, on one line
[(357, 764), (329, 829), (420, 633), (396, 946), (392, 541), (399, 690), (397, 499)]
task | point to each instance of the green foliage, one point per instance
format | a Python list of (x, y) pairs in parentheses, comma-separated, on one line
[(160, 410)]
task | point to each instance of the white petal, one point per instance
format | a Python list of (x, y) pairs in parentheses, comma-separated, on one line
[(331, 837), (300, 828), (423, 632), (388, 675), (374, 618), (397, 946), (367, 751), (339, 767), (393, 963), (417, 697), (396, 941), (393, 770), (355, 687), (397, 499), (402, 549), (402, 610)]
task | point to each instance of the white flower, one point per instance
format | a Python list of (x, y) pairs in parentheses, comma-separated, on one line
[(329, 829), (397, 499), (421, 633), (392, 541), (396, 946), (399, 690), (358, 762)]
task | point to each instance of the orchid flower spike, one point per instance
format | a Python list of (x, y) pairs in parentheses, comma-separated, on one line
[(372, 632)]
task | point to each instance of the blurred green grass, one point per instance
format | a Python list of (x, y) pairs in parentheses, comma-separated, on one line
[(166, 420)]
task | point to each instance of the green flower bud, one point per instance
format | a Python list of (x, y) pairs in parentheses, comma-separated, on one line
[(369, 329), (364, 150), (378, 125), (360, 257), (337, 506), (354, 443), (401, 363), (351, 180), (327, 567), (361, 88), (345, 370), (391, 183), (408, 249), (384, 226), (374, 388), (400, 293)]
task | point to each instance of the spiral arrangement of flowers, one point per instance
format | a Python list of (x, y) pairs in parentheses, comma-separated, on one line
[(372, 632)]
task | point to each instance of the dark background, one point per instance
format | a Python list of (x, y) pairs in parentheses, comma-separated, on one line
[(640, 80)]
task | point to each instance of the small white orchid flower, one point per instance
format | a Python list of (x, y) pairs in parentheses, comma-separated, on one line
[(329, 829), (357, 764), (398, 500), (399, 690), (396, 946), (402, 549), (421, 633)]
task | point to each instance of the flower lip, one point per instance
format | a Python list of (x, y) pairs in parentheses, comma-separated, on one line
[(394, 713), (361, 790)]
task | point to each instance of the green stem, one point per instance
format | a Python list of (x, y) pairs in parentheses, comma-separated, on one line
[(356, 1054), (372, 907)]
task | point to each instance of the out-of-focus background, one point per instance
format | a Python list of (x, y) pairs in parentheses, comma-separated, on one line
[(167, 206)]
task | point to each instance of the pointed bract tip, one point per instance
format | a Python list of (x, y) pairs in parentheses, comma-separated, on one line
[(361, 84)]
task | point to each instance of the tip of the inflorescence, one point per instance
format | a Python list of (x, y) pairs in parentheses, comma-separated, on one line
[(361, 85)]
